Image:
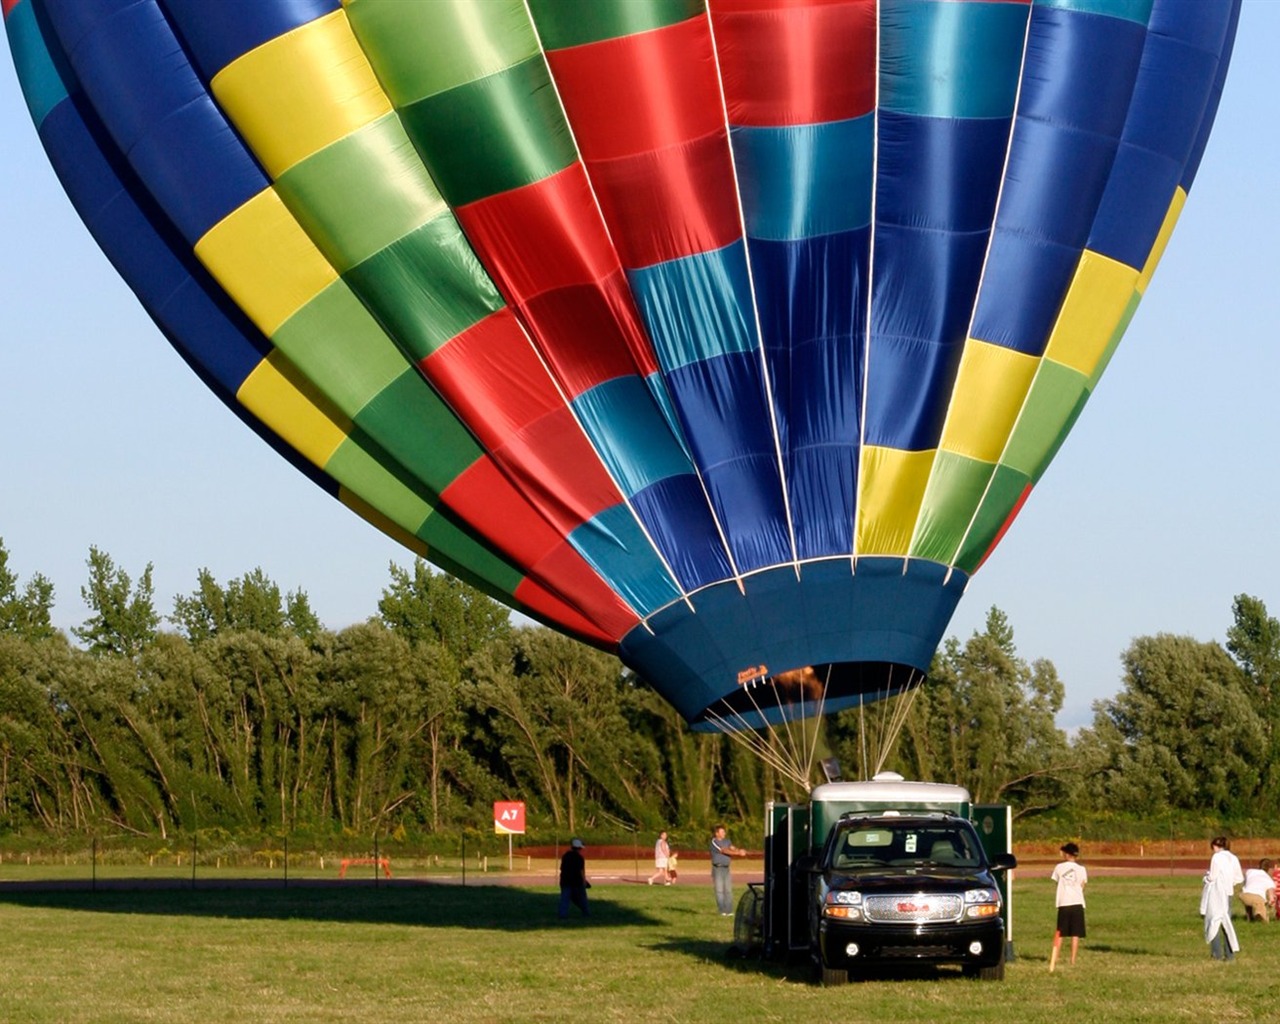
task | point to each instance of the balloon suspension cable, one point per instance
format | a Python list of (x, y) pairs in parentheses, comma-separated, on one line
[(738, 729), (893, 719), (882, 701), (801, 751), (784, 752), (817, 722), (862, 733), (790, 748), (796, 751)]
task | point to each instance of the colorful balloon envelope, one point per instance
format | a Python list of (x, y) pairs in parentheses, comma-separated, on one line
[(730, 337)]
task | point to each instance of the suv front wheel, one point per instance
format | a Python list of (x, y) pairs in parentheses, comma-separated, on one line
[(831, 977), (993, 973)]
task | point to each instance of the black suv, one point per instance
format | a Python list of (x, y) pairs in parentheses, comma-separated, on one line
[(906, 888)]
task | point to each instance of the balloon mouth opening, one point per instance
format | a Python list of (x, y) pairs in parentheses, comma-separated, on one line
[(807, 692)]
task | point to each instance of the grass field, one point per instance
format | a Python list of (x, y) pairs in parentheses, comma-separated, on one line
[(445, 953)]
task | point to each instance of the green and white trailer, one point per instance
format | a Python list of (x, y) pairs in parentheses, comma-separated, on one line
[(795, 831)]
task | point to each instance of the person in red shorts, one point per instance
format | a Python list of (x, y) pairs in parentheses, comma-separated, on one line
[(1275, 880)]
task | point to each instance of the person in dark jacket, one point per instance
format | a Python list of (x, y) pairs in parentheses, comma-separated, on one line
[(573, 879)]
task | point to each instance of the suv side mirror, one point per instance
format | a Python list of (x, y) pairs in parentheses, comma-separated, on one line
[(808, 863), (1004, 862)]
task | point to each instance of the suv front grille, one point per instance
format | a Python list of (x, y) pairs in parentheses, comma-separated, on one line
[(912, 907), (918, 952)]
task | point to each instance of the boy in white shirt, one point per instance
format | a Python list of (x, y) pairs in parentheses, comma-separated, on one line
[(1071, 877)]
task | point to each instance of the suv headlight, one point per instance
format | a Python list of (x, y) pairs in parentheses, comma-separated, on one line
[(981, 903), (843, 903)]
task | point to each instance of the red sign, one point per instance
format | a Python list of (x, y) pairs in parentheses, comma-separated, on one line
[(508, 817)]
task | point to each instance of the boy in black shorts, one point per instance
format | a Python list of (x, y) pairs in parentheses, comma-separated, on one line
[(1071, 877)]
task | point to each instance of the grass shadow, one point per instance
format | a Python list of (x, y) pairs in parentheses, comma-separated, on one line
[(1103, 947), (798, 969), (482, 908), (718, 954)]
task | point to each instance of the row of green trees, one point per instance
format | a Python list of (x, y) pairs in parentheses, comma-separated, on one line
[(241, 710)]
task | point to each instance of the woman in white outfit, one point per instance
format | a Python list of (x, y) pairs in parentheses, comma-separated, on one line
[(1215, 901), (661, 855)]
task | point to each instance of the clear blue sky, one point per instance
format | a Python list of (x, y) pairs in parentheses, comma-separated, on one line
[(1161, 507)]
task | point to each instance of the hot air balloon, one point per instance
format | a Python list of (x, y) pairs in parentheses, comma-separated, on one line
[(727, 336)]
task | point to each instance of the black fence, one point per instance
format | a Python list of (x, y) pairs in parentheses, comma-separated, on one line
[(210, 857)]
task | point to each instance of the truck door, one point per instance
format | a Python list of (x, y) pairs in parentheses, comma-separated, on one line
[(994, 823), (785, 889)]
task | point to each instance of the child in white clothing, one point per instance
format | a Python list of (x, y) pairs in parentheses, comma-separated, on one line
[(1071, 877)]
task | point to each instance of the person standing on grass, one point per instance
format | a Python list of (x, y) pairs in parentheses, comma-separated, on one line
[(1258, 892), (1215, 900), (1275, 887), (722, 849), (661, 858), (573, 879), (1071, 877)]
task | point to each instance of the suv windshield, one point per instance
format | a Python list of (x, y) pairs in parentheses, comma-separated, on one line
[(904, 845)]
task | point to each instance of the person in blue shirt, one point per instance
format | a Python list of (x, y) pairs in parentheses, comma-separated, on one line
[(722, 849)]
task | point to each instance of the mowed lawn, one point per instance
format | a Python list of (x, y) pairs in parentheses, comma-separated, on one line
[(445, 953)]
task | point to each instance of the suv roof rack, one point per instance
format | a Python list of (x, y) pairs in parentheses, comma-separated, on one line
[(891, 813)]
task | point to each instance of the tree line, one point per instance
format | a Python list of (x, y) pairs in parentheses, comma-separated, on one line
[(240, 710)]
